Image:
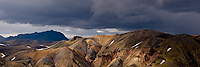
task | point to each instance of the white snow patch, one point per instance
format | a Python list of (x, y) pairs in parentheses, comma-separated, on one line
[(112, 42), (3, 55), (3, 44), (136, 47), (28, 46), (136, 44), (47, 47), (13, 58), (169, 49), (163, 61), (40, 49)]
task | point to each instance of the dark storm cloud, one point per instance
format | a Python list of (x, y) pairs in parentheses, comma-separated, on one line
[(175, 16), (44, 11), (181, 5)]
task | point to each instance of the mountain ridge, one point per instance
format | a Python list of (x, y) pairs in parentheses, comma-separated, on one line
[(1, 38), (42, 36)]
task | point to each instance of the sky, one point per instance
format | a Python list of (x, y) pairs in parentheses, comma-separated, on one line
[(91, 17)]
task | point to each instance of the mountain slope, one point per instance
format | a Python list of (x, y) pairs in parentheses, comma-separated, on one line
[(1, 38), (139, 48)]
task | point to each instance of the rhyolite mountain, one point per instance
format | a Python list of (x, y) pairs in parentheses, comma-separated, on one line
[(141, 48), (41, 36)]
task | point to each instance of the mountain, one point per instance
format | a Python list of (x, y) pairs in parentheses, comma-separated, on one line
[(1, 38), (42, 36), (141, 48)]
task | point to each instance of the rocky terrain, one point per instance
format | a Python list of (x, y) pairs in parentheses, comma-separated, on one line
[(141, 48)]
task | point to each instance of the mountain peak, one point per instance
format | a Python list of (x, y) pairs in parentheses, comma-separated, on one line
[(1, 38), (51, 31), (76, 37)]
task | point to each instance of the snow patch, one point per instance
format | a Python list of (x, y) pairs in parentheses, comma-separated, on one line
[(2, 44), (163, 61), (40, 49), (136, 44), (47, 47), (169, 49), (136, 47), (13, 58), (3, 55), (28, 46), (112, 42)]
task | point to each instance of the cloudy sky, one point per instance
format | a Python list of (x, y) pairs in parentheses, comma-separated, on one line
[(92, 17)]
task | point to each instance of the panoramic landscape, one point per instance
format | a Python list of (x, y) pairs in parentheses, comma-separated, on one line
[(140, 48), (99, 33)]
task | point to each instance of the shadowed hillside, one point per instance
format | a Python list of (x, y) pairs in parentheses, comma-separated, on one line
[(42, 36), (141, 48), (1, 38)]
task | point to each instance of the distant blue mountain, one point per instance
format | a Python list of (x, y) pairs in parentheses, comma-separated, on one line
[(1, 38), (42, 36)]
